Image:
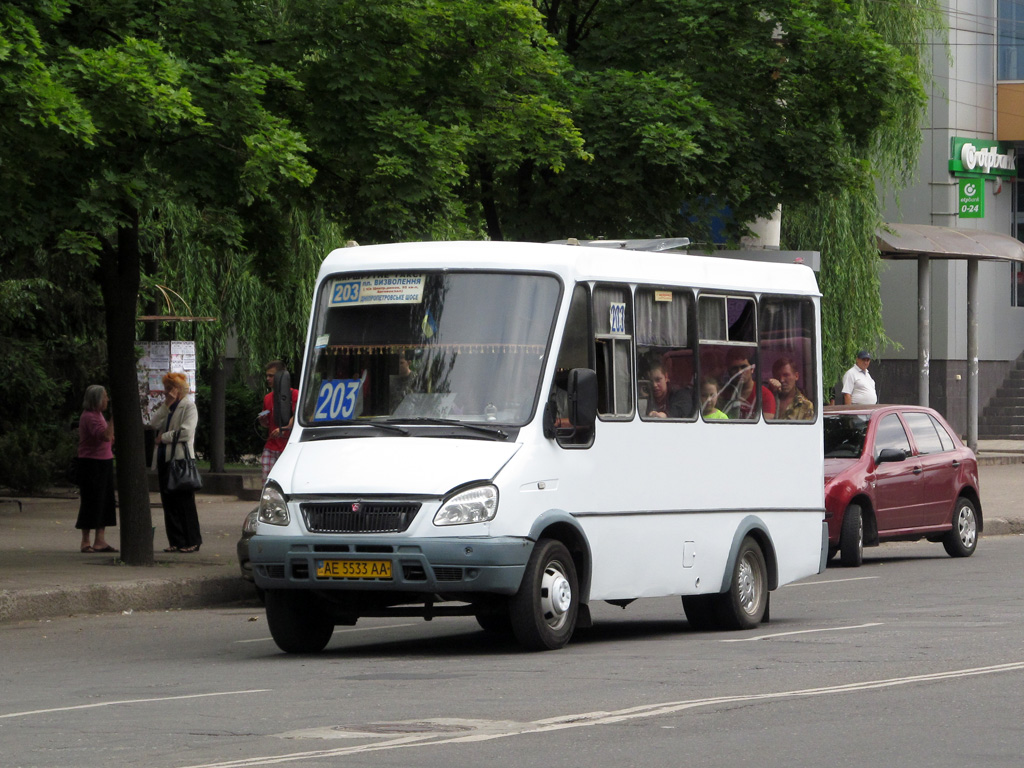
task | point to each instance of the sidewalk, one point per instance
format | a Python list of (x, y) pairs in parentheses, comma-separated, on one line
[(43, 575)]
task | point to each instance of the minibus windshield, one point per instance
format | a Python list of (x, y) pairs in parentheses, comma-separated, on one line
[(409, 347)]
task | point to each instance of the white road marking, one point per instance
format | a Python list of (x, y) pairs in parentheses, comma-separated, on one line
[(131, 701), (336, 631), (828, 581), (588, 719), (801, 632)]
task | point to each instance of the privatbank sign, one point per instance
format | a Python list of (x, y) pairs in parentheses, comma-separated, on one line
[(982, 159)]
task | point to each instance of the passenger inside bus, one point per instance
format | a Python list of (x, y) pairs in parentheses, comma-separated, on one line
[(667, 401), (709, 399), (792, 404), (739, 392)]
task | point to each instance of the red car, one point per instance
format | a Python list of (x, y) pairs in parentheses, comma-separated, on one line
[(897, 473)]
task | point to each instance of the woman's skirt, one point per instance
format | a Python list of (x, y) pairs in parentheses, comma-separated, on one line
[(97, 508)]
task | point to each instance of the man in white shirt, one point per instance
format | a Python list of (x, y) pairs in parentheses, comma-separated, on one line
[(858, 386)]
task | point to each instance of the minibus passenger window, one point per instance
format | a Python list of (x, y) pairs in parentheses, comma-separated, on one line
[(787, 355), (665, 361), (613, 326), (735, 387)]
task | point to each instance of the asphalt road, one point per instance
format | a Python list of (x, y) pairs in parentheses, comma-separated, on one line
[(913, 659)]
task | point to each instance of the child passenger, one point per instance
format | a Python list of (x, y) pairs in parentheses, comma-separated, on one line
[(709, 399)]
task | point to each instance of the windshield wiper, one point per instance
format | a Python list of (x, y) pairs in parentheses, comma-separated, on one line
[(497, 432), (333, 430)]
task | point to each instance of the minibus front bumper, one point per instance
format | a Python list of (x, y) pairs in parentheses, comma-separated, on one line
[(372, 564)]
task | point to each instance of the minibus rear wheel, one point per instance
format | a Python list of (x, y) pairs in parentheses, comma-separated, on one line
[(297, 621), (543, 611), (744, 604)]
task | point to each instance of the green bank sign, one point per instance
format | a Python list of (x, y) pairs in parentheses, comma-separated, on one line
[(982, 159), (972, 199)]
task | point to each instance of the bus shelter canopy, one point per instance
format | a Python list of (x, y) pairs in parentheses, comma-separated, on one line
[(909, 241)]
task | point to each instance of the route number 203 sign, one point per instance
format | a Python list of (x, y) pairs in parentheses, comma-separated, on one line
[(336, 400)]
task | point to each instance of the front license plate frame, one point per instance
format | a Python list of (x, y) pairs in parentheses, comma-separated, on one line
[(347, 568)]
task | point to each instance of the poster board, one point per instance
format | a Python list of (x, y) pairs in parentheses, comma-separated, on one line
[(159, 357)]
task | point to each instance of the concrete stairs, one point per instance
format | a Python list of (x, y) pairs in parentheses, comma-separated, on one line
[(1003, 416)]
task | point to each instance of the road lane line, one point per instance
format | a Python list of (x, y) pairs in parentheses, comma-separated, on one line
[(828, 581), (800, 632), (131, 701), (588, 719)]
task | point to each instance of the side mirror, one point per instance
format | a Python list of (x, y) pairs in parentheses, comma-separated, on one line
[(282, 390), (890, 454), (583, 398)]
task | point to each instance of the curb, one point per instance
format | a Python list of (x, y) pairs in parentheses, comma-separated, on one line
[(125, 596)]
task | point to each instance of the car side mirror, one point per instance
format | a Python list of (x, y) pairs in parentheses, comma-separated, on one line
[(891, 454)]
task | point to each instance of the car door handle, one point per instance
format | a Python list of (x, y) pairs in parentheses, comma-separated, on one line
[(956, 464), (918, 470)]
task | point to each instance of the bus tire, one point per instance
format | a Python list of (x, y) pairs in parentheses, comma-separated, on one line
[(543, 611), (851, 537), (962, 540), (495, 620), (701, 612), (743, 605), (297, 622)]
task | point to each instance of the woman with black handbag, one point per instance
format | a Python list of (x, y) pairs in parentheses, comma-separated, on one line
[(175, 422)]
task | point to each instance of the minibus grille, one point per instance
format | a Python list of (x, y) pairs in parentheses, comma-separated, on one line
[(359, 516)]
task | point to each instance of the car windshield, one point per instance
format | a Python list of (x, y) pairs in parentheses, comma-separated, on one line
[(844, 435), (452, 346)]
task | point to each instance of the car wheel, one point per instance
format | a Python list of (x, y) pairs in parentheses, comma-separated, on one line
[(963, 539), (744, 604), (851, 537), (543, 611), (700, 612), (297, 621)]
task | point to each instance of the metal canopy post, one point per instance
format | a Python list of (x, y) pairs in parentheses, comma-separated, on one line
[(972, 354), (924, 320)]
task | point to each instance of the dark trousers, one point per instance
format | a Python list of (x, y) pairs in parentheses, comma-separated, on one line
[(181, 519)]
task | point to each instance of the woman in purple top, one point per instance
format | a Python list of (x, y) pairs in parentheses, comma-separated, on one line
[(96, 471)]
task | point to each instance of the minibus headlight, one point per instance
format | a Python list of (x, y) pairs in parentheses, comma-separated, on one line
[(475, 505), (273, 508)]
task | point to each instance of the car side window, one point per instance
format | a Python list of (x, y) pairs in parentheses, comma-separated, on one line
[(923, 429), (948, 443), (890, 434)]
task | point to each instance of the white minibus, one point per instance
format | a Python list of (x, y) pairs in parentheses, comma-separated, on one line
[(514, 431)]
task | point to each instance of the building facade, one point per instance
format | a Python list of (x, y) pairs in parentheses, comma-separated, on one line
[(966, 179)]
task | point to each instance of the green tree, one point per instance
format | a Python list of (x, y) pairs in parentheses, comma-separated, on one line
[(695, 110), (154, 103), (842, 225)]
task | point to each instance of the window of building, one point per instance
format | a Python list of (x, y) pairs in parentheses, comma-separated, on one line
[(1011, 40)]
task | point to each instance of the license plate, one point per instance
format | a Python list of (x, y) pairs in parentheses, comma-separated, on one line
[(353, 569)]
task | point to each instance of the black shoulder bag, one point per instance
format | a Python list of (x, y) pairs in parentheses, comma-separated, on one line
[(182, 474)]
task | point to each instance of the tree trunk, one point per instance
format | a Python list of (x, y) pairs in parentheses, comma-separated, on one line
[(218, 389), (119, 282), (487, 200)]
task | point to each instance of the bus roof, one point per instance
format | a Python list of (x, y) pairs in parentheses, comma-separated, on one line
[(579, 263)]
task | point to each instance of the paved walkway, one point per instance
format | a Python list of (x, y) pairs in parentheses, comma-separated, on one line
[(43, 575)]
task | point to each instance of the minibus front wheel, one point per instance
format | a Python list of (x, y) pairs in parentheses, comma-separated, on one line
[(543, 611), (297, 621)]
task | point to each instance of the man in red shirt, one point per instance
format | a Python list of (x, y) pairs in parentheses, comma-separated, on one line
[(277, 437)]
